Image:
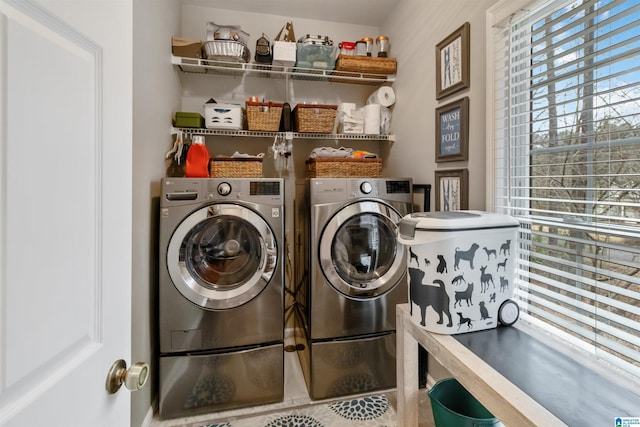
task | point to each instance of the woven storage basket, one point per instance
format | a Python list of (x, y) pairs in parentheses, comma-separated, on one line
[(366, 64), (232, 167), (313, 118), (343, 168), (264, 116)]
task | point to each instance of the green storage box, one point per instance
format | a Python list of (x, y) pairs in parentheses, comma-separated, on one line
[(454, 406), (188, 120), (317, 56)]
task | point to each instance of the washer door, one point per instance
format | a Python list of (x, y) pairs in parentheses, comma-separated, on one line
[(359, 254), (222, 256)]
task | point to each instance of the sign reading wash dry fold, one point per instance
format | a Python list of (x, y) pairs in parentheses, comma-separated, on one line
[(452, 131)]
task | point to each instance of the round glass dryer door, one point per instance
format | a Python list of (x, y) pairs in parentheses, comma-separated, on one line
[(359, 253), (222, 256)]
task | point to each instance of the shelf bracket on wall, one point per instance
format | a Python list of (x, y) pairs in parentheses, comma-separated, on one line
[(289, 89)]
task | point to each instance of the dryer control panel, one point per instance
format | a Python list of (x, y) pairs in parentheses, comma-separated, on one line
[(332, 190)]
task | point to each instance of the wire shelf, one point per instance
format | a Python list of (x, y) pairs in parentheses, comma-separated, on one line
[(206, 66), (287, 135)]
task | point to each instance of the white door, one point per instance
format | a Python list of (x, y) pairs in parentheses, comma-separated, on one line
[(65, 210)]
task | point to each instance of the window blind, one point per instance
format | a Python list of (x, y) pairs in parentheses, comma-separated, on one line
[(566, 149)]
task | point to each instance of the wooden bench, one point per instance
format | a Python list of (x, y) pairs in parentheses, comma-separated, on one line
[(520, 379)]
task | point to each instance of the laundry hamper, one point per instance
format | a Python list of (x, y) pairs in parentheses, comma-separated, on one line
[(461, 269), (343, 168), (315, 118), (235, 167), (263, 116)]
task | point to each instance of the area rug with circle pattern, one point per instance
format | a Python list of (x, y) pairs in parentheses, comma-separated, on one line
[(358, 411)]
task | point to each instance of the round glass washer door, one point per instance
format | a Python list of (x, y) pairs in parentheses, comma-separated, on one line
[(358, 251), (222, 256)]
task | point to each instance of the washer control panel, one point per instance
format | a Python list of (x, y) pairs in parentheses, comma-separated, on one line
[(185, 191)]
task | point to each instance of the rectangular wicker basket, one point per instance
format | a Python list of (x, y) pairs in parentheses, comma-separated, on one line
[(366, 64), (263, 116), (232, 167), (343, 168), (314, 118)]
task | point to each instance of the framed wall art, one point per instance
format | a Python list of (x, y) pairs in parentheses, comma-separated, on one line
[(452, 62), (452, 131), (452, 189)]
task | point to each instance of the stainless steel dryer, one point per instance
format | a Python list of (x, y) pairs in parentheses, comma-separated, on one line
[(221, 294), (356, 275)]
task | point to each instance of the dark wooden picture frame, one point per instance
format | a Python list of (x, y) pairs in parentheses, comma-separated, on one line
[(452, 189), (453, 62), (452, 131)]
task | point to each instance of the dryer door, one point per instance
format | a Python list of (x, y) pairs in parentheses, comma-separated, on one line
[(222, 256), (358, 250)]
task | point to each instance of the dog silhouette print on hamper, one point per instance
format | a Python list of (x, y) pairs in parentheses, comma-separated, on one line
[(504, 284), (458, 280), (413, 257), (467, 255), (484, 313), (485, 279), (425, 296), (442, 265), (490, 252), (464, 321), (505, 248), (464, 295)]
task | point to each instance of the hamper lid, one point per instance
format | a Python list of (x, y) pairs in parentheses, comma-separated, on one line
[(419, 227)]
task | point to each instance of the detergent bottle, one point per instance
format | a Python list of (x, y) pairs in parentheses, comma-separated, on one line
[(197, 165)]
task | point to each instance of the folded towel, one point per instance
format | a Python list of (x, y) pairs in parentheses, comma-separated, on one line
[(325, 152), (238, 155), (361, 154)]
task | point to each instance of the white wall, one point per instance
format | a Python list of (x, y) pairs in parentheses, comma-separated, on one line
[(155, 96), (415, 28)]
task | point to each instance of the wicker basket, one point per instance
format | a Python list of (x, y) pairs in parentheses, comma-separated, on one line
[(366, 64), (264, 116), (313, 118), (232, 167), (343, 168)]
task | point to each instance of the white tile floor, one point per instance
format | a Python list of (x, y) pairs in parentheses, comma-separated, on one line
[(296, 401)]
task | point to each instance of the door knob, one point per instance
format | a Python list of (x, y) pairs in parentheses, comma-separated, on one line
[(133, 378)]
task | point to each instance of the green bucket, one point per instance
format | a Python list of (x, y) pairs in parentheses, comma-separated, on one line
[(454, 406)]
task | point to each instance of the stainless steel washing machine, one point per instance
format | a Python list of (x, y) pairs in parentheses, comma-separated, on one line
[(221, 294), (355, 275)]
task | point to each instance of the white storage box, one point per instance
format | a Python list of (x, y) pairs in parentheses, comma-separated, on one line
[(222, 116), (461, 269), (284, 54)]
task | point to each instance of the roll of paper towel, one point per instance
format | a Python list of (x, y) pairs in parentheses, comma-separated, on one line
[(384, 96), (371, 119), (346, 107)]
